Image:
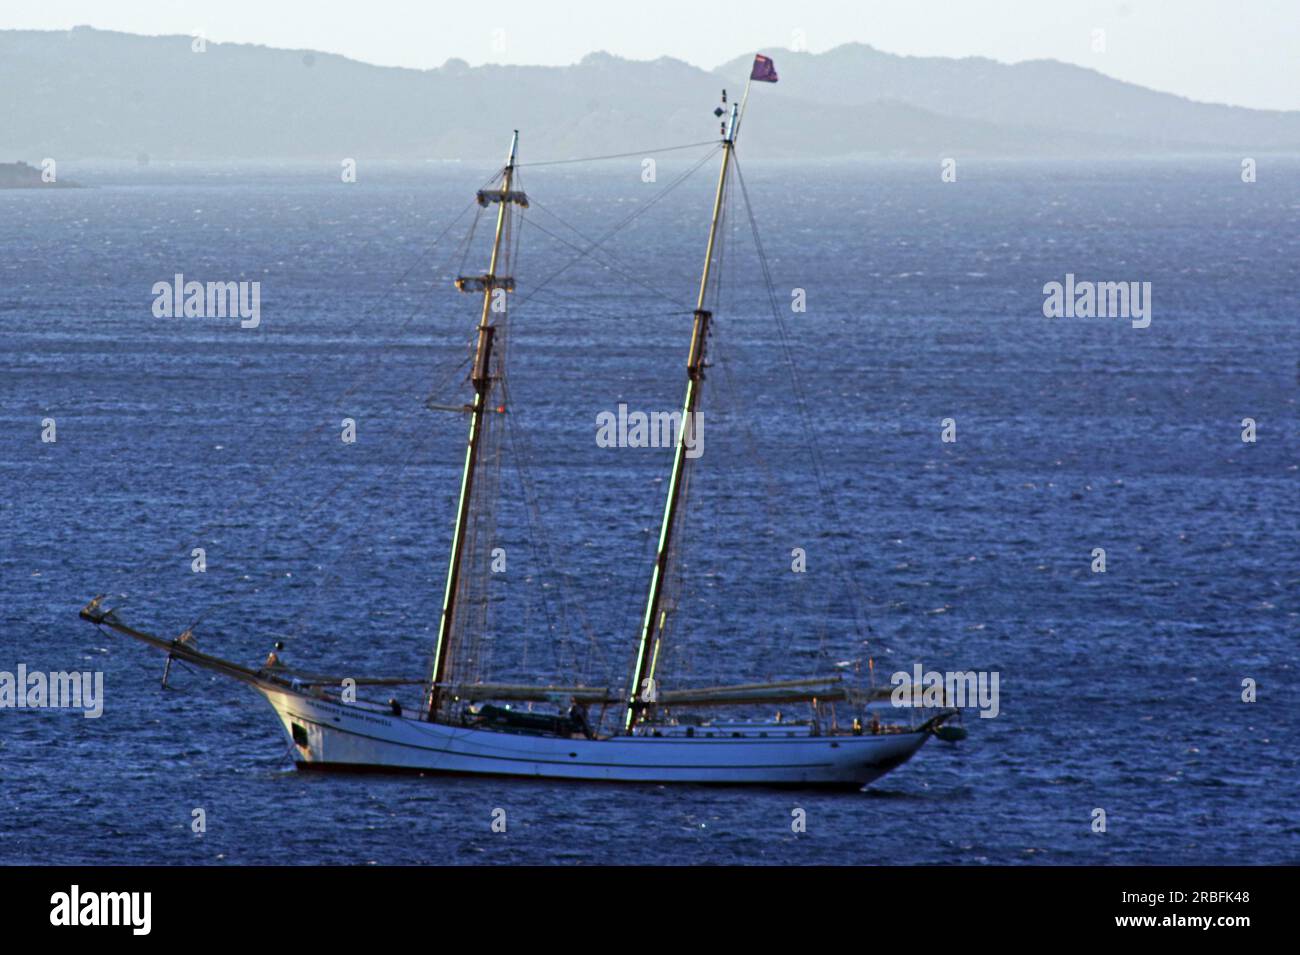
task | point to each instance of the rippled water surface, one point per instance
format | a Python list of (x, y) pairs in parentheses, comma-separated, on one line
[(1120, 690)]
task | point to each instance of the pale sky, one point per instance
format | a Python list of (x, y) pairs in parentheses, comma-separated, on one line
[(1243, 52)]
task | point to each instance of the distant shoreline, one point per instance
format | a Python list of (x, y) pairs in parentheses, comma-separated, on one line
[(19, 175), (241, 101)]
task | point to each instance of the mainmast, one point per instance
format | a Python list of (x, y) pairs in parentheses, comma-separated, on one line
[(481, 379), (641, 692)]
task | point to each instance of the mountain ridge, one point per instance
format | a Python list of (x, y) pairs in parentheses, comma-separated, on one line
[(92, 94)]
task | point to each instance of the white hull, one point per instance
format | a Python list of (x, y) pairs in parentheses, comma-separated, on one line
[(343, 737)]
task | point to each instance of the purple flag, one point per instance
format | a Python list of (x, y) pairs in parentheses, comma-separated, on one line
[(764, 69)]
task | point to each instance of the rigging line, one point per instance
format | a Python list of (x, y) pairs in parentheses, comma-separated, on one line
[(312, 509), (634, 609), (613, 262), (828, 500), (643, 152), (677, 642), (288, 464), (403, 438), (212, 525), (542, 548), (205, 529), (619, 225), (512, 261), (419, 259), (612, 265), (752, 449), (470, 653), (521, 462), (327, 574), (415, 264), (762, 461), (365, 378), (369, 373), (404, 464), (468, 242), (480, 601), (675, 593), (532, 511), (724, 296), (568, 305), (684, 592), (447, 379), (521, 451)]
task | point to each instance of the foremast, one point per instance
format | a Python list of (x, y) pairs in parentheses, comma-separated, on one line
[(642, 691), (481, 379)]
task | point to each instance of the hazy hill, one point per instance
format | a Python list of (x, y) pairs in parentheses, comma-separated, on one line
[(93, 94), (1043, 95)]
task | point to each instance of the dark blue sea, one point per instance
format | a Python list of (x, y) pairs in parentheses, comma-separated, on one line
[(1120, 690)]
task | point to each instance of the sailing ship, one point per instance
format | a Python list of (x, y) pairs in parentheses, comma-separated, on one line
[(657, 735)]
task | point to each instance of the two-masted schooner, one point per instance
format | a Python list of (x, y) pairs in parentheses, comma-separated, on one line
[(475, 728)]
